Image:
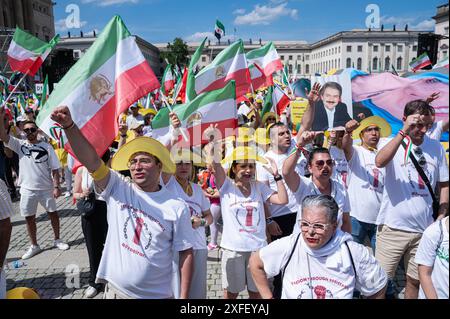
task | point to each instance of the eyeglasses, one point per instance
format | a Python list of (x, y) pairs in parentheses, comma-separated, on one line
[(321, 163), (143, 161), (30, 130), (317, 227), (422, 161)]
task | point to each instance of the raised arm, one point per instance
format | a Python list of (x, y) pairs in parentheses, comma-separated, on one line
[(214, 153), (82, 149), (176, 124), (281, 196), (308, 116), (387, 153), (347, 140), (4, 136)]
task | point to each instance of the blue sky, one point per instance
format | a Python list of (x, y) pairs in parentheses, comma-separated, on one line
[(309, 20)]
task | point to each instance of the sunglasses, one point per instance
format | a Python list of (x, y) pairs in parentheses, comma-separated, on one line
[(422, 161), (30, 130), (321, 163)]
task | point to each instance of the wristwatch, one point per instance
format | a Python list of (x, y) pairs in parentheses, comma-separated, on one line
[(277, 177)]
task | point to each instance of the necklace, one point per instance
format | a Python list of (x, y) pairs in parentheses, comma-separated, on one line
[(187, 189)]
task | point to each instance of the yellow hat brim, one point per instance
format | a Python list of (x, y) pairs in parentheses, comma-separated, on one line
[(243, 153), (267, 114), (22, 293), (385, 128), (144, 112), (146, 145)]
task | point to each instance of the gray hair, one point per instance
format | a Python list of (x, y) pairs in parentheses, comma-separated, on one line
[(325, 201)]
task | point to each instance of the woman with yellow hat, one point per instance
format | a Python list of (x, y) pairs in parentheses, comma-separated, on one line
[(182, 186), (244, 222)]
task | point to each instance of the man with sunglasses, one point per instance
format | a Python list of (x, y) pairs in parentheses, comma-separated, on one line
[(39, 181), (407, 206), (320, 164)]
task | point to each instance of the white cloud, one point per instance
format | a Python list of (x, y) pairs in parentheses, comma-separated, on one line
[(199, 36), (239, 11), (413, 23), (61, 26), (104, 3), (266, 14)]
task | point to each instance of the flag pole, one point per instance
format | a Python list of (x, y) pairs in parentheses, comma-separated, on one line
[(171, 110), (289, 84), (15, 87)]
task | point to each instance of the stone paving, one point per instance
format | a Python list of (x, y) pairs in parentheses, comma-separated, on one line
[(56, 274)]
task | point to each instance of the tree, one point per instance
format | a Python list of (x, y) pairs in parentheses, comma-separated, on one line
[(177, 53)]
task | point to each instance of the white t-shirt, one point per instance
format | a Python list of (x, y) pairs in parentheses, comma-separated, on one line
[(244, 222), (144, 231), (435, 132), (198, 203), (131, 118), (406, 203), (36, 163), (264, 176), (340, 170), (365, 185), (316, 280), (429, 254), (307, 187)]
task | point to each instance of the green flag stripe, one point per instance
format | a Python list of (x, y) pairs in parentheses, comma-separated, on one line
[(100, 52), (29, 42), (183, 111), (227, 54), (262, 51)]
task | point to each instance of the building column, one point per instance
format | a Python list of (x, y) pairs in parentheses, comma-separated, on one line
[(18, 10), (28, 16)]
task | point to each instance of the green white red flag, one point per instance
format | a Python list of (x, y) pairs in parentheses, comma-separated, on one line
[(111, 76), (276, 101), (26, 53), (193, 66), (168, 80), (266, 57), (214, 107), (230, 64), (258, 78), (420, 62)]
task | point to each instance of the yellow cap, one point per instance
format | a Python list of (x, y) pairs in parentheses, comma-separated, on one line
[(261, 136), (22, 293), (259, 101), (385, 128), (244, 153), (146, 145), (147, 111)]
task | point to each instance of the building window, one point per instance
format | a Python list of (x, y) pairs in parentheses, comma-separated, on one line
[(400, 48), (290, 68), (349, 48), (359, 64), (307, 57), (282, 58), (387, 63), (203, 59), (339, 49), (388, 48), (349, 63), (299, 69), (290, 58), (299, 57), (414, 48), (375, 48), (307, 68), (446, 31), (399, 63), (444, 54), (375, 64), (360, 47)]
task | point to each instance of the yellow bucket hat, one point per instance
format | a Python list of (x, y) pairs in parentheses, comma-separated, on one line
[(146, 145), (261, 136), (267, 115), (385, 128), (22, 293), (244, 135), (184, 155), (243, 153), (144, 112)]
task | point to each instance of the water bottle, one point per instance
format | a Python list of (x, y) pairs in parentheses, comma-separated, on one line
[(16, 264)]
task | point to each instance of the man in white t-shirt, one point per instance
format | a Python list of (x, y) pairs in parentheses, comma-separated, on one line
[(407, 206), (321, 262), (38, 180), (438, 128), (6, 210), (432, 258), (365, 181), (146, 223), (135, 116)]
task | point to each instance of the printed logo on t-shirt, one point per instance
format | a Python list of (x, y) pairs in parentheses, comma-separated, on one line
[(247, 216), (194, 209), (376, 178), (309, 289), (35, 152)]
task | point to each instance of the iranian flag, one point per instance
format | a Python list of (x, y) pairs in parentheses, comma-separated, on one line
[(258, 78), (27, 53), (193, 66), (168, 80), (266, 57), (441, 64), (420, 62), (21, 106), (276, 101), (111, 76), (214, 107), (44, 96), (230, 64)]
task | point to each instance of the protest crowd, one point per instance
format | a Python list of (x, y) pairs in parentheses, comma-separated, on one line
[(325, 206)]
